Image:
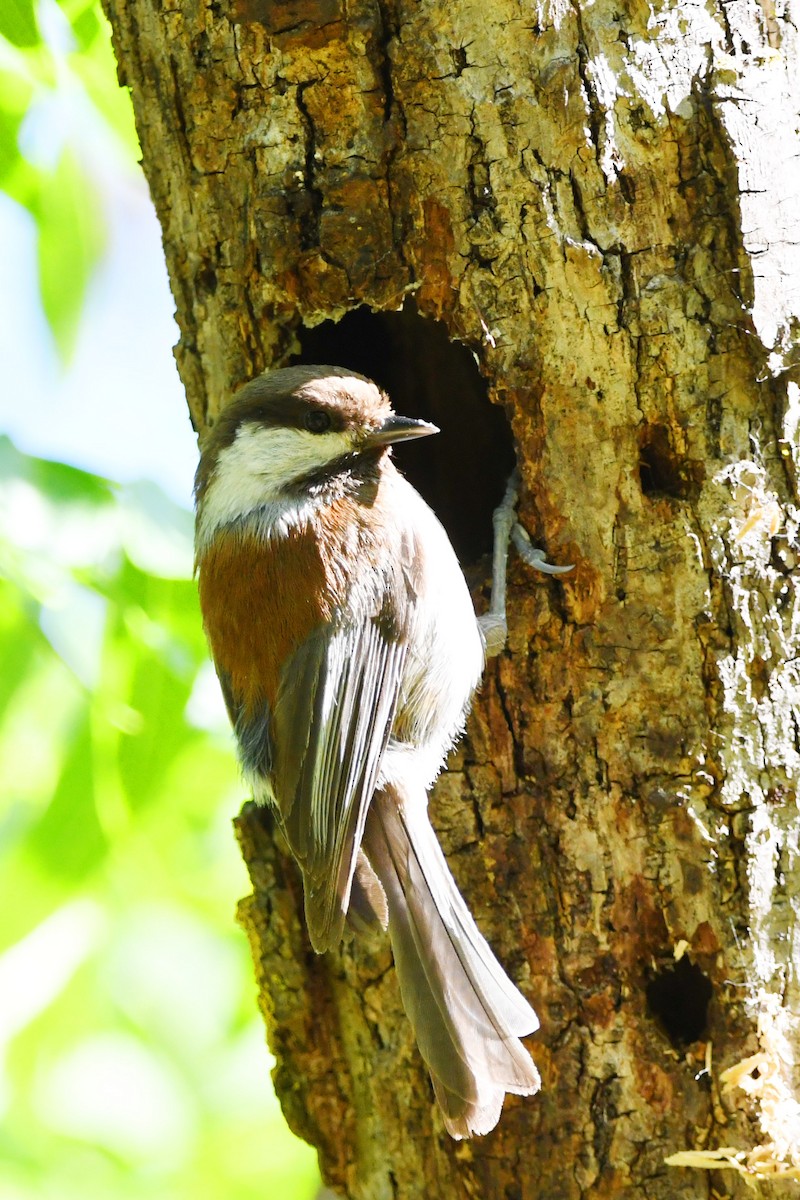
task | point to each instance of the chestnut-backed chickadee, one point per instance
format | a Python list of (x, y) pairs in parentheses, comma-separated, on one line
[(348, 650)]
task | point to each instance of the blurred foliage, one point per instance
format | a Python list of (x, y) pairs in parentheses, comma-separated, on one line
[(132, 1058), (58, 78)]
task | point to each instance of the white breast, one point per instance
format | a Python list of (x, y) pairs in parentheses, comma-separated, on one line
[(446, 655)]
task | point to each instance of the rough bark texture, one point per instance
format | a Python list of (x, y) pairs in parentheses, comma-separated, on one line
[(601, 201)]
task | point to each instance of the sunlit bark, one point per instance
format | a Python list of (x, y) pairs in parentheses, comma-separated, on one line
[(602, 201)]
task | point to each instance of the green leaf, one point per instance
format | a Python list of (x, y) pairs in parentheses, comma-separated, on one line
[(84, 17), (69, 485), (160, 698), (68, 840), (71, 239), (96, 68), (9, 154), (18, 178), (18, 23), (9, 150), (59, 482), (20, 638)]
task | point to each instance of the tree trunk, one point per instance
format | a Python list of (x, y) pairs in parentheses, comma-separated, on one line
[(601, 202)]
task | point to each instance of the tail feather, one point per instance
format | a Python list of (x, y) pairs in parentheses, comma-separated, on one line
[(368, 907), (466, 1013)]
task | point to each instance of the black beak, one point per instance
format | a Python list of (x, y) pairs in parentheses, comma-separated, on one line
[(398, 429)]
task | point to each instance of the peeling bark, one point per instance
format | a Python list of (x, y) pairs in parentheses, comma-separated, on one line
[(603, 202)]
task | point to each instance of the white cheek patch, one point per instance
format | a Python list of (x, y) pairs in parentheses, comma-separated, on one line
[(252, 472)]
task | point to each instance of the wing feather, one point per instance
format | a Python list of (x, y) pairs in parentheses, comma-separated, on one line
[(330, 726)]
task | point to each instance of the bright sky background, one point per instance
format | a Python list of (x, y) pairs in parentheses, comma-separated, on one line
[(119, 408)]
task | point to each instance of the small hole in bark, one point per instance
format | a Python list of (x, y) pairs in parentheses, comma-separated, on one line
[(679, 998), (459, 56), (661, 471), (462, 472), (206, 280)]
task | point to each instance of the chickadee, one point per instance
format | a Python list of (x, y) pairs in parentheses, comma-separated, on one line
[(348, 650)]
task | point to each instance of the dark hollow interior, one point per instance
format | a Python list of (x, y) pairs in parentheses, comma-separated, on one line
[(679, 998), (462, 472)]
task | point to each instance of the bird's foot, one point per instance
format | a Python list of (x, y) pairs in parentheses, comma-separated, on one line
[(507, 529)]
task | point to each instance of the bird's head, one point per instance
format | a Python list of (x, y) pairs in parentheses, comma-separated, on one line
[(286, 432)]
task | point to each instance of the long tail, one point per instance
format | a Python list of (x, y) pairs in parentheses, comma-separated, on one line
[(466, 1014)]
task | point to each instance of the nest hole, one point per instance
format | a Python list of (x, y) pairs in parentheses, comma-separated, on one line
[(661, 471), (678, 997), (462, 472)]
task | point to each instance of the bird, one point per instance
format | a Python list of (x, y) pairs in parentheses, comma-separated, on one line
[(348, 651)]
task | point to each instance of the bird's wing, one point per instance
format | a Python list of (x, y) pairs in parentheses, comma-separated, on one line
[(328, 729)]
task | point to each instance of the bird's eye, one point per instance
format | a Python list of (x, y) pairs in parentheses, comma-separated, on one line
[(317, 421)]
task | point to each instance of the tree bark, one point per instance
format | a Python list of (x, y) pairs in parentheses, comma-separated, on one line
[(601, 202)]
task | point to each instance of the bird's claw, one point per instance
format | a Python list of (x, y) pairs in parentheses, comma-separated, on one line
[(532, 555), (508, 528)]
